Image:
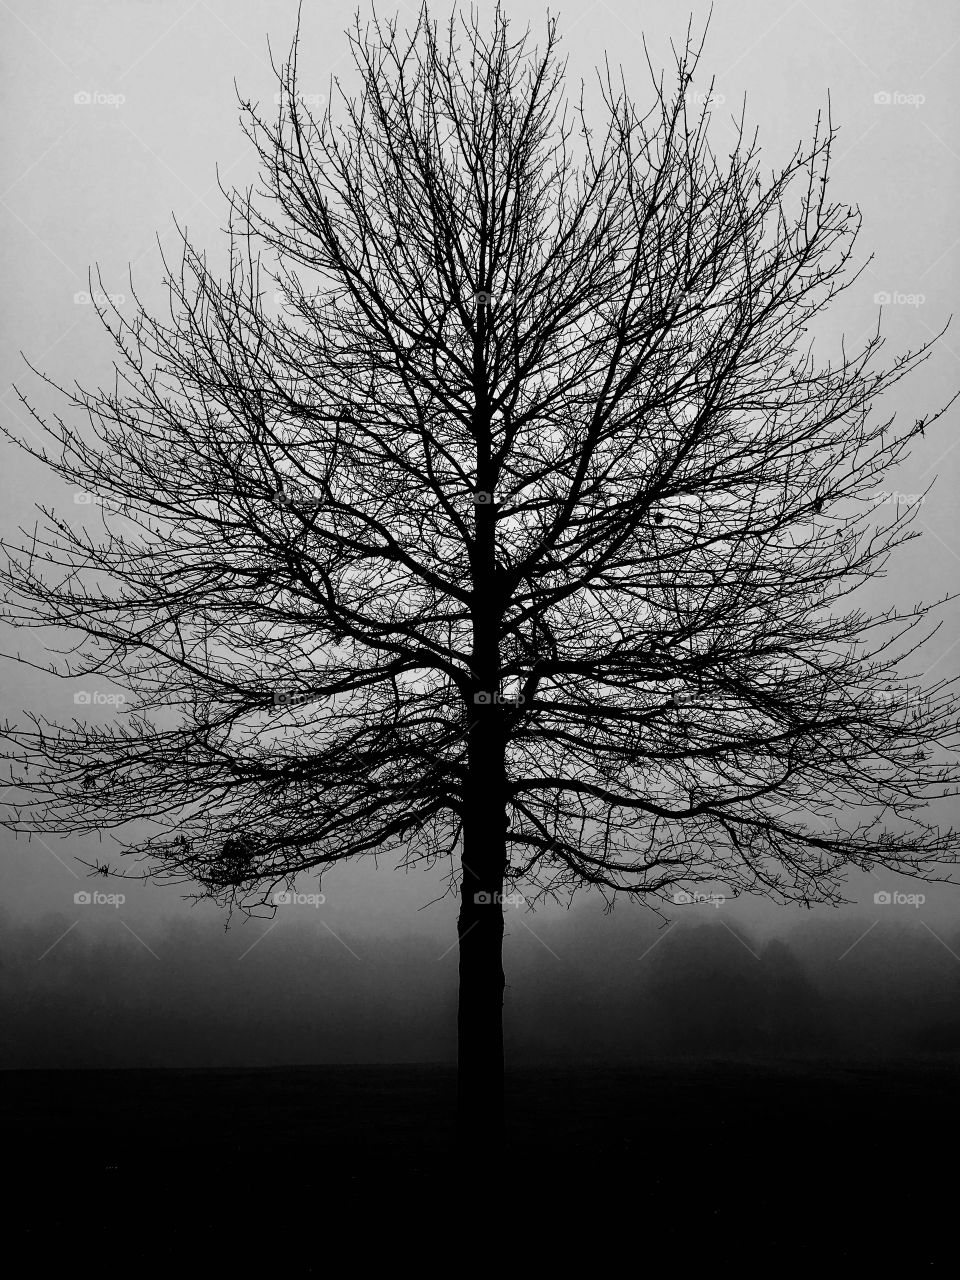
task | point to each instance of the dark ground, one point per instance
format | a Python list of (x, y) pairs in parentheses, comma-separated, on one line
[(758, 1167)]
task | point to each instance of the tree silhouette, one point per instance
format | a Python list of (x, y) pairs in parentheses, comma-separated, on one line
[(520, 534)]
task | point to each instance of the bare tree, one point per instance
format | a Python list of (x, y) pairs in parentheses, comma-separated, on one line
[(520, 535)]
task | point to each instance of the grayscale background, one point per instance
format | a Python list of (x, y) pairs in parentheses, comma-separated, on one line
[(117, 115)]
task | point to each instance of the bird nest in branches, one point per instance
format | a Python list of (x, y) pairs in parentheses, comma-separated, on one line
[(234, 864)]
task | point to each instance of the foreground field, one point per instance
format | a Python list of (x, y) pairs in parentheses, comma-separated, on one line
[(765, 1164)]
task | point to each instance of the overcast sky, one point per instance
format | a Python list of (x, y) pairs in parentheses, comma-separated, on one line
[(119, 115)]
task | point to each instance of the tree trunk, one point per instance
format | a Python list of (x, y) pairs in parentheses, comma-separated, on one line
[(480, 1123), (480, 925)]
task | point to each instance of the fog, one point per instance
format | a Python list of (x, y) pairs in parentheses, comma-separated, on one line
[(91, 988)]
